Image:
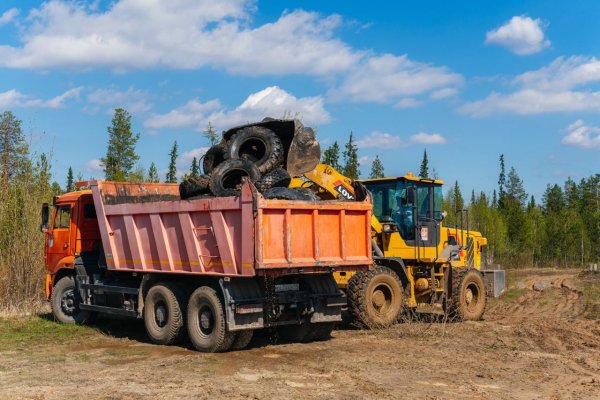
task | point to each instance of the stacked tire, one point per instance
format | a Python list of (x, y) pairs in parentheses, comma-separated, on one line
[(254, 153)]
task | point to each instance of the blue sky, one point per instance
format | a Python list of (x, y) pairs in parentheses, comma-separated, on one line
[(464, 82)]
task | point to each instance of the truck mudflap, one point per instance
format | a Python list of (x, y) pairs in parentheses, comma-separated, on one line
[(316, 299)]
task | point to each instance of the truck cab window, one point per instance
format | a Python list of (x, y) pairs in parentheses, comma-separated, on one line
[(63, 217)]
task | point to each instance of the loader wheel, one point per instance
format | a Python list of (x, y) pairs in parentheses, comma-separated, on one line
[(206, 322), (65, 303), (194, 186), (258, 145), (469, 296), (226, 179), (375, 298), (277, 177), (164, 313), (242, 339), (284, 193), (213, 157)]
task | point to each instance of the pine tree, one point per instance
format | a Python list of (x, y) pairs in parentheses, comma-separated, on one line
[(172, 173), (70, 186), (501, 182), (494, 199), (424, 172), (152, 174), (195, 168), (376, 169), (351, 165), (13, 148), (120, 155), (211, 134), (331, 156), (514, 187), (459, 202)]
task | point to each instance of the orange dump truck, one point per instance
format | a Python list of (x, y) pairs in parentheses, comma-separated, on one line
[(214, 268)]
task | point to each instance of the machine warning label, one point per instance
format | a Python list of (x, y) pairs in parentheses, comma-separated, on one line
[(424, 233), (343, 191)]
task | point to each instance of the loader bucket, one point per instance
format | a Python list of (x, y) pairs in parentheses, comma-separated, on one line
[(302, 150)]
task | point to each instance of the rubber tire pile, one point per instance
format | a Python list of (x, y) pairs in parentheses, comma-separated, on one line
[(253, 152)]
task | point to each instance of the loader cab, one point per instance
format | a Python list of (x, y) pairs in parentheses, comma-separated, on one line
[(412, 205)]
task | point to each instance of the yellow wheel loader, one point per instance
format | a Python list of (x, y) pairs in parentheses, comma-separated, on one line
[(421, 266)]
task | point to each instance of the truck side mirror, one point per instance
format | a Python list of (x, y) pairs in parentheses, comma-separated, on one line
[(45, 217)]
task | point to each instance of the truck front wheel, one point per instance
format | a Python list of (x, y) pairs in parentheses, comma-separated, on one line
[(65, 303), (206, 322), (164, 311)]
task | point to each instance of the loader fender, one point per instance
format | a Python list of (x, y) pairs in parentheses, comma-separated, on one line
[(396, 264)]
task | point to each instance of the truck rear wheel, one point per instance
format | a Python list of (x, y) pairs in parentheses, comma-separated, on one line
[(206, 322), (65, 303), (375, 298), (468, 295), (164, 310)]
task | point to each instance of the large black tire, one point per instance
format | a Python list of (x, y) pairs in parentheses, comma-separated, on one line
[(375, 298), (277, 177), (468, 295), (226, 179), (164, 313), (206, 322), (284, 193), (194, 186), (65, 302), (242, 339), (258, 145), (213, 157)]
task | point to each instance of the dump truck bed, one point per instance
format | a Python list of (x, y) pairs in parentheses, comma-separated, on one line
[(146, 228)]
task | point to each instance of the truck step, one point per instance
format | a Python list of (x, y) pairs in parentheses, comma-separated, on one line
[(111, 289), (108, 310)]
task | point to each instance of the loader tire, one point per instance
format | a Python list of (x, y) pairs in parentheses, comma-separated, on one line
[(284, 193), (164, 313), (213, 157), (194, 186), (375, 298), (206, 322), (277, 177), (65, 302), (468, 301), (226, 179), (242, 339), (258, 145)]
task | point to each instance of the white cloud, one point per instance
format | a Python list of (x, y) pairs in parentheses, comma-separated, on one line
[(14, 98), (521, 35), (581, 135), (408, 102), (269, 102), (94, 166), (134, 100), (184, 161), (427, 138), (8, 16), (387, 77), (443, 93), (558, 87)]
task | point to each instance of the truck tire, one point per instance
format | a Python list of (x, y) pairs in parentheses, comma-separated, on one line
[(375, 298), (284, 193), (277, 177), (65, 303), (194, 186), (242, 339), (468, 295), (212, 158), (256, 144), (226, 179), (206, 322), (164, 311)]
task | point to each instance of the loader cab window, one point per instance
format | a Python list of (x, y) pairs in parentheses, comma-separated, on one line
[(62, 218)]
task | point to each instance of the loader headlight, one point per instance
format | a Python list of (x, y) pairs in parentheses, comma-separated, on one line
[(389, 228)]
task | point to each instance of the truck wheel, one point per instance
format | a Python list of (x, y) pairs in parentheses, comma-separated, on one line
[(242, 339), (260, 146), (65, 303), (277, 177), (213, 157), (206, 322), (375, 297), (469, 296), (226, 179), (164, 310)]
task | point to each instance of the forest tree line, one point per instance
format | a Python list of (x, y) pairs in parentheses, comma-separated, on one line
[(560, 229)]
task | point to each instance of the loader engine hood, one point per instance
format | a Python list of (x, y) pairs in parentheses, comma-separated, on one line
[(302, 150)]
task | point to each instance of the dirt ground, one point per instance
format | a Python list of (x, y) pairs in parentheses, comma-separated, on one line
[(536, 342)]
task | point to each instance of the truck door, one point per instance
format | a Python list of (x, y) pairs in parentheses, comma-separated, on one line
[(59, 235)]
